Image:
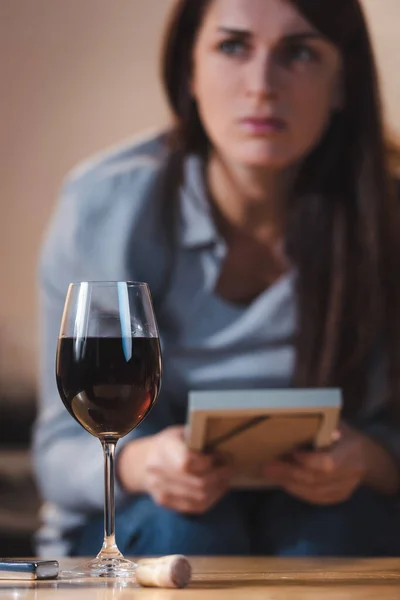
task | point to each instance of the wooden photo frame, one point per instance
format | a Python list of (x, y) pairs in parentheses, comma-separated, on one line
[(251, 427)]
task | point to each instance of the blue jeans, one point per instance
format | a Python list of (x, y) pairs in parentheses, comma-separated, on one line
[(255, 523)]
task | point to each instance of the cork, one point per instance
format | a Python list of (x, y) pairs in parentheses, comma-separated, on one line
[(172, 571)]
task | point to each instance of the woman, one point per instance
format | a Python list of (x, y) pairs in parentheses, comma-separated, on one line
[(267, 226)]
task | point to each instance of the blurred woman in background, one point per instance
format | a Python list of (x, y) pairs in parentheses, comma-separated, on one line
[(266, 223)]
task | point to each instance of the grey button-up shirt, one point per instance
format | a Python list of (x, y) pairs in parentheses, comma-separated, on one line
[(107, 226)]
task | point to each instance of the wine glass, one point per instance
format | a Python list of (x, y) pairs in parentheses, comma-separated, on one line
[(108, 372)]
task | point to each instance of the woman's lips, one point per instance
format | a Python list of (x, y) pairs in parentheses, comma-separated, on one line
[(263, 125)]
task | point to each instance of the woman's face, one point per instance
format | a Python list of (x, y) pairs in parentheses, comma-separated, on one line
[(265, 81)]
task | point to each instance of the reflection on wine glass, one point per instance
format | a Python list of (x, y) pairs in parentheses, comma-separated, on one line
[(108, 372)]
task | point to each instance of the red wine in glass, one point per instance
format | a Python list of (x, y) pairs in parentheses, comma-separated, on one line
[(106, 393)]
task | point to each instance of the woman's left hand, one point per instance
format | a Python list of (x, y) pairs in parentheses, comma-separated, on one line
[(323, 476)]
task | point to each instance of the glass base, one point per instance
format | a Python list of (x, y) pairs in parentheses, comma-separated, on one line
[(103, 567)]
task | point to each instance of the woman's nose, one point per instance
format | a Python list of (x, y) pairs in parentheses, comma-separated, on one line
[(262, 77)]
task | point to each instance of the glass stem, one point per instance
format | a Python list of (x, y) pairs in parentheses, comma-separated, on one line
[(110, 548)]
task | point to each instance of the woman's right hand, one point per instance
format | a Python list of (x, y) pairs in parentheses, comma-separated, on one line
[(174, 476)]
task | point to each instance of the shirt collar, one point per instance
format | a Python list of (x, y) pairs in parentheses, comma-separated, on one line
[(197, 226)]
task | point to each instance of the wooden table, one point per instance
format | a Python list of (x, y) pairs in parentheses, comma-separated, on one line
[(237, 578)]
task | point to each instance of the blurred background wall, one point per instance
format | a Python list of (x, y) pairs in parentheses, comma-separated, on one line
[(77, 76)]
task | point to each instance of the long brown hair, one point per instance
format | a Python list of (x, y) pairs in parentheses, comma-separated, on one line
[(344, 232)]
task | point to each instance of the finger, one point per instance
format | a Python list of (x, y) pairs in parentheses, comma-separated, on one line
[(186, 483), (281, 473), (160, 481), (203, 487), (175, 451), (221, 459), (165, 488), (198, 463), (190, 460), (325, 494), (177, 502), (184, 460), (208, 489), (218, 478), (318, 461), (183, 499), (214, 493)]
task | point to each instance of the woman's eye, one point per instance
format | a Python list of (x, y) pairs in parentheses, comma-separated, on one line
[(232, 47), (299, 53)]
